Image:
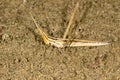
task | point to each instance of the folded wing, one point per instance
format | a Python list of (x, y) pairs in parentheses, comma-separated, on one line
[(86, 43)]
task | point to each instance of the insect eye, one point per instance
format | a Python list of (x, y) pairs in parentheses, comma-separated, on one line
[(49, 43)]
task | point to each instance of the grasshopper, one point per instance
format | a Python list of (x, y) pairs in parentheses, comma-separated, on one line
[(60, 42)]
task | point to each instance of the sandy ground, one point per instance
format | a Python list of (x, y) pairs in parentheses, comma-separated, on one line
[(24, 56)]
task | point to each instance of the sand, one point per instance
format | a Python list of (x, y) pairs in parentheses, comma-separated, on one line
[(24, 55)]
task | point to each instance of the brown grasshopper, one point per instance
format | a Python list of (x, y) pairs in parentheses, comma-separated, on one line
[(59, 42)]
